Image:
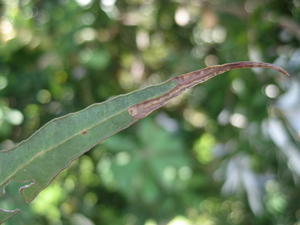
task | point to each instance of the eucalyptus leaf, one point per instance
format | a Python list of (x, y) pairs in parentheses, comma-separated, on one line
[(36, 161)]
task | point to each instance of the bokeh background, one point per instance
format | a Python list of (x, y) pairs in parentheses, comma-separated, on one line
[(226, 152)]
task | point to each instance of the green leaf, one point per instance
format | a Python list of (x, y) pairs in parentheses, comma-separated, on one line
[(37, 160)]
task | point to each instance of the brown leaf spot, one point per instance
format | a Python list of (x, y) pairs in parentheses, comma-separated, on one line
[(84, 132)]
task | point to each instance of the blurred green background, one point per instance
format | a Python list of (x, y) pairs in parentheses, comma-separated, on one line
[(226, 152)]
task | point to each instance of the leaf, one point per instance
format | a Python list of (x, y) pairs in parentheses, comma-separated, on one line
[(36, 161)]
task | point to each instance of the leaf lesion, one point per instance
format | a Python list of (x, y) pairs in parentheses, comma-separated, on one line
[(191, 79), (83, 132)]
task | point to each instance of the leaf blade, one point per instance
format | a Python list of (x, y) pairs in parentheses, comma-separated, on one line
[(64, 139), (24, 162)]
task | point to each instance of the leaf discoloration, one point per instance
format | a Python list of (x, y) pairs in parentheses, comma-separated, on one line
[(191, 79), (84, 132)]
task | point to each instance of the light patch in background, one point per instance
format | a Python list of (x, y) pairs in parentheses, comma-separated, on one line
[(47, 202), (3, 82), (123, 158), (79, 219), (84, 3), (255, 55), (205, 36), (104, 168), (25, 36), (196, 118), (14, 117), (238, 86), (276, 201), (87, 18), (49, 59), (1, 116), (200, 51), (280, 137), (238, 120), (109, 7), (203, 148), (209, 18), (142, 40), (219, 34), (209, 35), (185, 173), (211, 60), (84, 35), (271, 91), (224, 117), (179, 220), (7, 31), (125, 80), (296, 3), (167, 122), (95, 58), (86, 168), (150, 222), (182, 17), (70, 183), (137, 70), (108, 3), (169, 173), (239, 175), (289, 104), (6, 144), (131, 19), (43, 96), (132, 75)]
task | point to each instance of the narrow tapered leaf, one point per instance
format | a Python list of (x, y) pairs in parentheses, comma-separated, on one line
[(37, 160)]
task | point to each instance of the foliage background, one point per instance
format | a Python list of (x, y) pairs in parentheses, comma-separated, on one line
[(226, 152)]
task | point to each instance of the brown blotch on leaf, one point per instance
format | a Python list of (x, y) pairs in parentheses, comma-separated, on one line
[(189, 80), (84, 132)]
